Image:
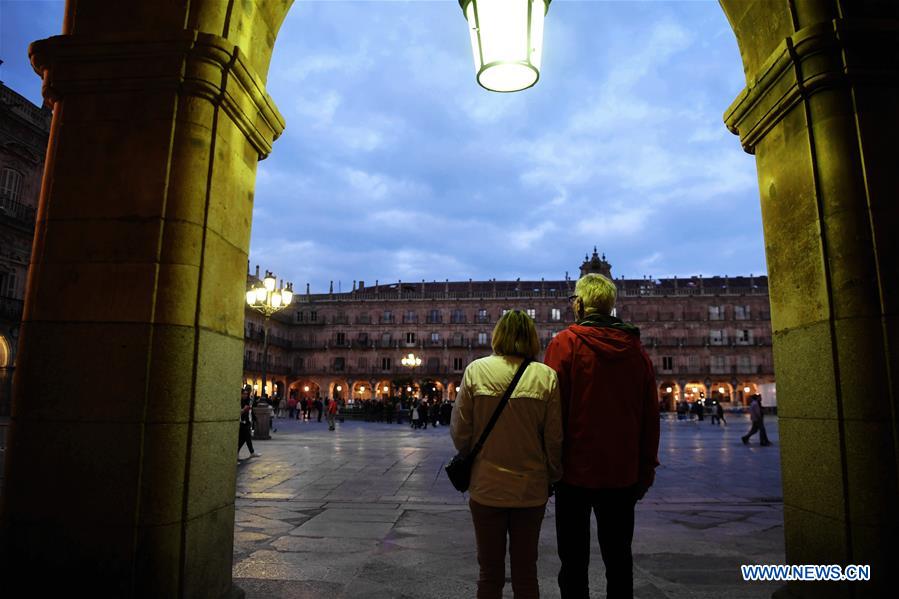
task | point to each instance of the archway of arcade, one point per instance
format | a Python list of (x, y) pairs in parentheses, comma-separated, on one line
[(148, 194), (384, 389), (745, 390), (339, 389), (669, 395), (305, 388), (362, 390)]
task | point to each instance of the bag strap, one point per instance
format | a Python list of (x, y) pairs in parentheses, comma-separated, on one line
[(502, 404)]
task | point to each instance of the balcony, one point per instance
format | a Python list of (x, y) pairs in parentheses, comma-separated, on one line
[(482, 319), (458, 319), (279, 341), (387, 319), (11, 309), (434, 319), (410, 319), (363, 319), (340, 319), (306, 344), (16, 213), (270, 368), (457, 342)]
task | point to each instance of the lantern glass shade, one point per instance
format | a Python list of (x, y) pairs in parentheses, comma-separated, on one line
[(260, 294), (506, 42), (251, 297), (276, 300), (721, 390), (745, 389), (286, 296), (269, 282), (339, 388)]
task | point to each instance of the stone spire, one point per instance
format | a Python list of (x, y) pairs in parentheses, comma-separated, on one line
[(595, 264)]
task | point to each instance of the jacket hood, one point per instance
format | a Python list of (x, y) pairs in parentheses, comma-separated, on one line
[(608, 336)]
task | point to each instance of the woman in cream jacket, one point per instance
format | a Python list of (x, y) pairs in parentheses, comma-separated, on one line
[(511, 475)]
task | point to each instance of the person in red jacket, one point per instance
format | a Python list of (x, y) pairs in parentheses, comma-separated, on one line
[(610, 415)]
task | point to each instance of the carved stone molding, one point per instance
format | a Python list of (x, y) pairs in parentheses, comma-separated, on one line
[(840, 53), (190, 63)]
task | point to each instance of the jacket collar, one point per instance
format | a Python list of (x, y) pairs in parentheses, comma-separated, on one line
[(606, 321)]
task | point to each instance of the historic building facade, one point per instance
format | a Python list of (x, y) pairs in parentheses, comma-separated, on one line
[(24, 131), (707, 337)]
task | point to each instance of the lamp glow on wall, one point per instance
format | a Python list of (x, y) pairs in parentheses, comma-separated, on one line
[(506, 41)]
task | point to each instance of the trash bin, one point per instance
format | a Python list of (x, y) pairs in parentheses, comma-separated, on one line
[(263, 413)]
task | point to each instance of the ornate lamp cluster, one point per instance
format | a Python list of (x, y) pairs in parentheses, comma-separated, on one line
[(266, 299), (411, 361)]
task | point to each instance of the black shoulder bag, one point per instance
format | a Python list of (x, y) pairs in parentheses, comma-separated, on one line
[(459, 468)]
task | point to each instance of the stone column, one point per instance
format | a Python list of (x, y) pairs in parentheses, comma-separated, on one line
[(819, 113), (121, 471)]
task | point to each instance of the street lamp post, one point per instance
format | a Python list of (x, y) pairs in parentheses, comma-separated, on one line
[(266, 299)]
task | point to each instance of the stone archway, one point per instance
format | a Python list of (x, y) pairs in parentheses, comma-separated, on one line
[(669, 395), (167, 161)]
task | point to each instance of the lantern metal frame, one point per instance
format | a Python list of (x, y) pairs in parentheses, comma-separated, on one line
[(528, 63)]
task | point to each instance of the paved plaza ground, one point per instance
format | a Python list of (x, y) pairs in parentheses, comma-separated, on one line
[(367, 512)]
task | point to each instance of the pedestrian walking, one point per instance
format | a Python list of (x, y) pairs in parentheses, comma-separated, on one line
[(758, 422), (423, 414), (319, 408), (520, 458), (608, 394), (332, 414), (718, 414), (245, 435), (416, 422)]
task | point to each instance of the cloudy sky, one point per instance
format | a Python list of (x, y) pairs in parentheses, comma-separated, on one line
[(396, 165)]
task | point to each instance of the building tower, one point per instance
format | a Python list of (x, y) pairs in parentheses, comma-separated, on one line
[(596, 265)]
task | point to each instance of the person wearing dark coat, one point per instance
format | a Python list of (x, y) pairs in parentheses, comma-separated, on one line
[(758, 422), (610, 413)]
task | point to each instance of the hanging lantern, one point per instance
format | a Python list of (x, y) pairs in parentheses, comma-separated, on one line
[(507, 41)]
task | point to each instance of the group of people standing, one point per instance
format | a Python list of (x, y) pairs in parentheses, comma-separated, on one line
[(583, 425), (305, 409), (433, 412)]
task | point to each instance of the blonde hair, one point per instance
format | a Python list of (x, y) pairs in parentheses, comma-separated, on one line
[(515, 335), (597, 292)]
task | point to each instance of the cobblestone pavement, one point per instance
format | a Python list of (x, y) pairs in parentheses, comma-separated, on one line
[(367, 512)]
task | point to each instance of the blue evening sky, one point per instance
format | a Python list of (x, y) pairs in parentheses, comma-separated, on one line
[(396, 165)]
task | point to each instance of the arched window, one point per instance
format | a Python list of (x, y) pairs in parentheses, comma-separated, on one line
[(4, 352), (10, 185)]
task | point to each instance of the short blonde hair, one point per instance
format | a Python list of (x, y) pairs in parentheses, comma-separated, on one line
[(515, 335), (597, 292)]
